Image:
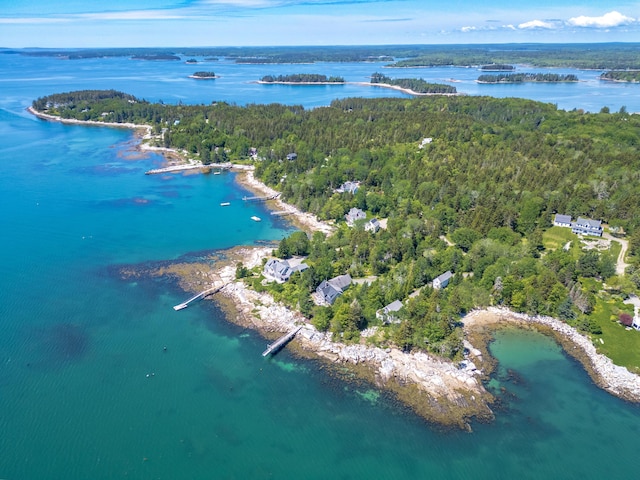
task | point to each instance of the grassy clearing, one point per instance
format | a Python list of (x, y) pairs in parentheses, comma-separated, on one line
[(557, 237), (622, 346)]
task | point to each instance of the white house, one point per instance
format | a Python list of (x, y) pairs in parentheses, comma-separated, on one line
[(281, 270), (386, 314), (562, 220), (372, 225), (442, 280), (586, 226)]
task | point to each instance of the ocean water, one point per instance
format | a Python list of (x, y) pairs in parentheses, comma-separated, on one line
[(87, 389)]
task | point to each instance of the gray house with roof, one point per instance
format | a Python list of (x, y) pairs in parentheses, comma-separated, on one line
[(372, 225), (348, 187), (281, 270), (329, 290), (586, 226), (562, 220), (442, 280), (386, 314), (353, 215)]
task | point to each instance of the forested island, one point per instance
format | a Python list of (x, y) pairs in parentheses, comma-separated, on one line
[(301, 78), (204, 75), (497, 67), (476, 200), (630, 76), (414, 85), (527, 77)]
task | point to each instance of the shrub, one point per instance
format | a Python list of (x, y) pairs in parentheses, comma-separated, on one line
[(625, 319)]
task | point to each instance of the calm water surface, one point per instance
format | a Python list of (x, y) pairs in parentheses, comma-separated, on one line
[(86, 388)]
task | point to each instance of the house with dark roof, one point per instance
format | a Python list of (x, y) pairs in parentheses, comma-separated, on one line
[(442, 280), (372, 225), (353, 215), (386, 314), (281, 270), (586, 226), (562, 220), (329, 290)]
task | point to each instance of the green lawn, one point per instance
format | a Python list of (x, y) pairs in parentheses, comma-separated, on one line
[(557, 237), (620, 345)]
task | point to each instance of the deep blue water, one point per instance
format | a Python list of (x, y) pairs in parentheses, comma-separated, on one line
[(78, 341)]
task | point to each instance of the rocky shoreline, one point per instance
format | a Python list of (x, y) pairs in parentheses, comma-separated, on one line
[(436, 389), (613, 378)]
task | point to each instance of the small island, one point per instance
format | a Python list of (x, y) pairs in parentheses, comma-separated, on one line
[(204, 76), (527, 78), (413, 85), (497, 67), (623, 76), (302, 78)]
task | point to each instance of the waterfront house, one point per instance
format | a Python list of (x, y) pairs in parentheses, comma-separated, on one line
[(329, 290), (562, 220), (353, 215), (372, 225), (442, 280), (586, 226), (281, 270), (386, 314)]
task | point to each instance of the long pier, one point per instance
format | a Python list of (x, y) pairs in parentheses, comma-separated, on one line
[(261, 199), (209, 291), (278, 344), (281, 213)]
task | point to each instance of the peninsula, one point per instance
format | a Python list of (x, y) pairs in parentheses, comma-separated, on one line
[(427, 221)]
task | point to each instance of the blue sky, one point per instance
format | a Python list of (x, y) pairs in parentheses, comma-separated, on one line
[(176, 23)]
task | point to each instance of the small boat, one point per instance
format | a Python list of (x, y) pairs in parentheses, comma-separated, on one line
[(256, 219), (217, 172), (225, 204)]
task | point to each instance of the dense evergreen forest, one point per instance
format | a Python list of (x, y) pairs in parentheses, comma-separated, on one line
[(632, 76), (302, 78), (414, 84), (497, 67), (477, 199), (204, 75), (527, 77), (605, 56)]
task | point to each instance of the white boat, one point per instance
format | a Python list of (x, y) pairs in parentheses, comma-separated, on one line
[(225, 204), (217, 172), (256, 219)]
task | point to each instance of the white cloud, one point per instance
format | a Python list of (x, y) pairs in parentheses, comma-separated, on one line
[(468, 29), (608, 20), (536, 24)]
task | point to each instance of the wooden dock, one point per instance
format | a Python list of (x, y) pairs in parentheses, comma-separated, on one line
[(261, 199), (209, 291), (278, 344), (281, 213)]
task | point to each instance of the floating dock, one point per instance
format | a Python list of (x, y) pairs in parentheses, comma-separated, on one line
[(202, 294), (278, 344)]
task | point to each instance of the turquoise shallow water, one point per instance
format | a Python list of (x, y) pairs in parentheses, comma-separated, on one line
[(78, 341)]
